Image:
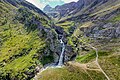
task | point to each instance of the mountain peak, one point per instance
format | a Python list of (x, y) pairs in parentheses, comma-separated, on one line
[(47, 8)]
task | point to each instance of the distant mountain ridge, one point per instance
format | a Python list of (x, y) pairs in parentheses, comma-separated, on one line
[(74, 8), (47, 8)]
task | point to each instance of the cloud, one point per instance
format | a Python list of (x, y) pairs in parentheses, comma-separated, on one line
[(42, 3), (37, 3), (68, 1)]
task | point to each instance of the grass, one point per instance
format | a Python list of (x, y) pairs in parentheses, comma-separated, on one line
[(109, 58), (47, 59), (111, 66), (86, 24), (106, 10), (67, 26), (65, 23), (19, 48), (14, 42), (115, 19), (91, 56), (70, 73)]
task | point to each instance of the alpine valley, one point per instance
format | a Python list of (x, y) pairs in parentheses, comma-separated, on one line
[(74, 41)]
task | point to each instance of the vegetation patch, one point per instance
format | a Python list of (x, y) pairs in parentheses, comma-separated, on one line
[(115, 19), (70, 73), (47, 59), (68, 26), (111, 66), (20, 43), (90, 56)]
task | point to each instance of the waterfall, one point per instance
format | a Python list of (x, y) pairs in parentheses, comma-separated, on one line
[(60, 63), (53, 65)]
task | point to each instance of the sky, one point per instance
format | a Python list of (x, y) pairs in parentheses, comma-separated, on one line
[(42, 3)]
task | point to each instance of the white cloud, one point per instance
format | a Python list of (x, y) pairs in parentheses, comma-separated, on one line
[(68, 1), (37, 3), (41, 5), (53, 0)]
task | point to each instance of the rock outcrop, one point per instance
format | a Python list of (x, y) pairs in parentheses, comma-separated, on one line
[(107, 31)]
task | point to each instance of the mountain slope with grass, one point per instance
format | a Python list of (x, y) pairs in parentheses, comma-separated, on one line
[(88, 35), (22, 39)]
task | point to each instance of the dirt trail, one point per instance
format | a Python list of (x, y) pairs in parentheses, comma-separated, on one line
[(86, 66), (97, 56), (83, 66)]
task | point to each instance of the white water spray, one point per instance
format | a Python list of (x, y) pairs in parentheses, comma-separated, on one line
[(60, 63)]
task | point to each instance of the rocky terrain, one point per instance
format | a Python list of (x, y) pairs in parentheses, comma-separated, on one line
[(93, 22), (82, 7), (82, 31)]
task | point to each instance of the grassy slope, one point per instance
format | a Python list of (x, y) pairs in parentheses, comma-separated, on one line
[(18, 47), (70, 73), (67, 26), (109, 58), (114, 19)]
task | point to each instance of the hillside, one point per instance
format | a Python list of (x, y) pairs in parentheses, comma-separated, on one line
[(22, 39), (74, 41), (90, 22)]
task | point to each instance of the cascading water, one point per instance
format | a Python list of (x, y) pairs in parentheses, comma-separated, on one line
[(60, 63)]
